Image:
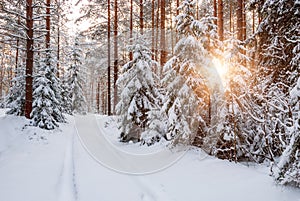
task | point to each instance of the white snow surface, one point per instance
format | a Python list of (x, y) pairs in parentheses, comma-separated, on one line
[(43, 165)]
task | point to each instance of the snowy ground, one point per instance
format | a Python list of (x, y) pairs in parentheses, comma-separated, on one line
[(40, 165)]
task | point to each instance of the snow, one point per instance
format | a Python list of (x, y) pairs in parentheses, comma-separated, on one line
[(54, 166)]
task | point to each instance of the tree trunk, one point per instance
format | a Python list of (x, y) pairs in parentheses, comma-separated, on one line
[(215, 12), (171, 27), (58, 39), (239, 23), (17, 48), (220, 20), (29, 59), (153, 27), (230, 17), (115, 54), (157, 30), (98, 97), (244, 21), (131, 28), (163, 56), (48, 2), (141, 17), (108, 61)]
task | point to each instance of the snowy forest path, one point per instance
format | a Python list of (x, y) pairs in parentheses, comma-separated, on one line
[(92, 137), (68, 188)]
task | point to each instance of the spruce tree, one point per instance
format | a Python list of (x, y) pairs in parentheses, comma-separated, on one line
[(138, 99), (75, 80), (287, 171), (187, 78)]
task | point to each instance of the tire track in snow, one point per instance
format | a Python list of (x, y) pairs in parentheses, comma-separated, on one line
[(67, 184)]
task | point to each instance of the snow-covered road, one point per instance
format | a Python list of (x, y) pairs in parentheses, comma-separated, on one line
[(40, 165), (92, 136)]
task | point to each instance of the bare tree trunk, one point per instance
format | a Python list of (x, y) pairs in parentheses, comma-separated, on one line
[(108, 61), (141, 17), (58, 40), (163, 56), (177, 13), (171, 27), (115, 55), (131, 28), (48, 2), (29, 59), (153, 27), (98, 97), (244, 21), (197, 10), (17, 49), (215, 12), (239, 23), (157, 30), (220, 20), (230, 17)]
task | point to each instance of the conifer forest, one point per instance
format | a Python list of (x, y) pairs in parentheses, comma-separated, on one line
[(218, 75)]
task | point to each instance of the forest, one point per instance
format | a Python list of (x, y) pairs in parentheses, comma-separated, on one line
[(222, 75)]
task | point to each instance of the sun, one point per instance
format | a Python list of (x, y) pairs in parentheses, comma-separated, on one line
[(221, 68)]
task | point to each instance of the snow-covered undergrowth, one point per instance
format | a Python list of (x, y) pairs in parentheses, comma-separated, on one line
[(113, 136), (40, 165)]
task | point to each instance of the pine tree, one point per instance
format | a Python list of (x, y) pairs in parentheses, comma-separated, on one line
[(47, 111), (287, 171), (44, 101), (139, 94), (66, 97), (279, 41), (15, 100), (187, 92), (75, 80)]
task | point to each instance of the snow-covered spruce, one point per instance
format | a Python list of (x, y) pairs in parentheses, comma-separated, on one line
[(46, 108), (287, 171), (138, 100), (75, 80), (15, 100), (66, 101), (187, 73), (186, 97)]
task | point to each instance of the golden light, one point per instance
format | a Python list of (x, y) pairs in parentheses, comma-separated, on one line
[(221, 68)]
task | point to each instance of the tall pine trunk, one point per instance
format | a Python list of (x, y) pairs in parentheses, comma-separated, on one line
[(220, 20), (152, 28), (48, 2), (58, 39), (157, 30), (244, 21), (108, 61), (163, 56), (131, 28), (29, 59), (141, 17), (239, 23), (115, 54), (215, 12)]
